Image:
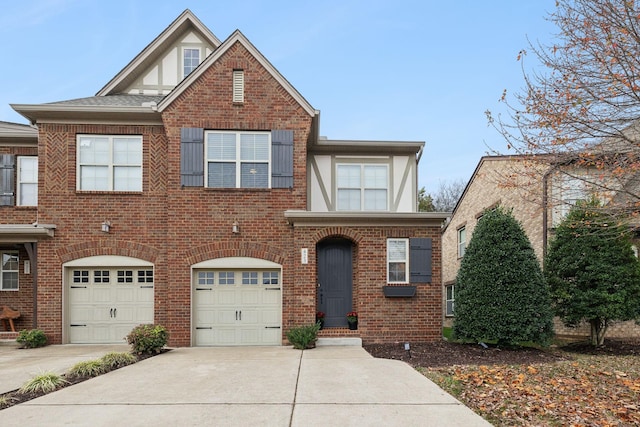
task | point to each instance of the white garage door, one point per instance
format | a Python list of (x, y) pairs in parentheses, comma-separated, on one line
[(106, 303), (237, 307)]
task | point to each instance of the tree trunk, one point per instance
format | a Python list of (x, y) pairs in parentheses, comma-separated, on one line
[(598, 330)]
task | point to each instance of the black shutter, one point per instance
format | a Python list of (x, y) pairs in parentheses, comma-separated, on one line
[(281, 159), (420, 260), (192, 157), (7, 186)]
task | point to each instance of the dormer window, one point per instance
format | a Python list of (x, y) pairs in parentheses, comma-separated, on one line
[(190, 60)]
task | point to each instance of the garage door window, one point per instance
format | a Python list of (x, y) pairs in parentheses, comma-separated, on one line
[(80, 276), (226, 278), (206, 278), (270, 278), (145, 276), (100, 276), (249, 277)]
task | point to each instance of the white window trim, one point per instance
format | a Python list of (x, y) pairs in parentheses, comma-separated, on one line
[(2, 288), (238, 161), (182, 52), (462, 244), (362, 187), (22, 181), (406, 260), (238, 86), (110, 164)]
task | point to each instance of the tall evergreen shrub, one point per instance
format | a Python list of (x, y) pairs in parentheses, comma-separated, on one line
[(501, 294)]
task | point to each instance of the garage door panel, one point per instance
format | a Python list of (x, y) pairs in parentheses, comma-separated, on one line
[(226, 296), (249, 296), (125, 294), (144, 294), (79, 295), (250, 316), (204, 297), (239, 308), (226, 317), (101, 294), (270, 317), (107, 308), (271, 296), (225, 336)]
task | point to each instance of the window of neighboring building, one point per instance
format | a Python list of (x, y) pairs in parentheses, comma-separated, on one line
[(462, 241), (238, 86), (9, 271), (398, 260), (238, 159), (362, 187), (109, 163), (571, 190), (190, 60), (27, 181), (449, 300)]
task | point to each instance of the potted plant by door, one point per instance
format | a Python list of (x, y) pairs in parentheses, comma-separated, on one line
[(352, 320), (320, 319)]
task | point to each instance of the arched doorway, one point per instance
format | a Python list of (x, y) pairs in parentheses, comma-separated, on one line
[(335, 280)]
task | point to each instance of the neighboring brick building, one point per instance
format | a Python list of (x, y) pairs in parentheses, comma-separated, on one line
[(538, 193), (194, 191)]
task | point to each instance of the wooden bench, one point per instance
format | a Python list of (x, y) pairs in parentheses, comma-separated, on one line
[(7, 315)]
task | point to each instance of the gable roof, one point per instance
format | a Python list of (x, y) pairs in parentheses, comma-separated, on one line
[(153, 51), (236, 37)]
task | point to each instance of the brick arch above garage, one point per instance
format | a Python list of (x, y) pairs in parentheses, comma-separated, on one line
[(227, 250), (113, 247)]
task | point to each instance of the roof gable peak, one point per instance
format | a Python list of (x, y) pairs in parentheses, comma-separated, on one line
[(155, 49), (236, 37)]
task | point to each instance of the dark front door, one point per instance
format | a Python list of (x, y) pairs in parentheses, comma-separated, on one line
[(335, 281)]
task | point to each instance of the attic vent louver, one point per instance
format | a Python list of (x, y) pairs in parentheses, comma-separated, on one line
[(238, 86)]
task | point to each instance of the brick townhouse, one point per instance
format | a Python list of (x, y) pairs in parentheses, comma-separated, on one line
[(194, 191)]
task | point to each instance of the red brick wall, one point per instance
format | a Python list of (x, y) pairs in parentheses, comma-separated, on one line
[(175, 227), (138, 219), (21, 300), (200, 220), (380, 319)]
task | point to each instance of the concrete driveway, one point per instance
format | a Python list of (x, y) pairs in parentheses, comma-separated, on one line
[(242, 386)]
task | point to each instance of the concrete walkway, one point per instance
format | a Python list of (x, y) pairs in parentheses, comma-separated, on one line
[(244, 386)]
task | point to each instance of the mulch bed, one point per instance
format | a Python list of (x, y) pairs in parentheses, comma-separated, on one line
[(444, 353)]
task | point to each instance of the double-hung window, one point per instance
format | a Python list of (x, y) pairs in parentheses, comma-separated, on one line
[(462, 241), (238, 159), (362, 187), (9, 271), (27, 181), (398, 260), (449, 300), (109, 163)]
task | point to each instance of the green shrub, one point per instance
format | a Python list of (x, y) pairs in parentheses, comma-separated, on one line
[(44, 382), (31, 338), (88, 368), (147, 338), (116, 360), (303, 337), (501, 294)]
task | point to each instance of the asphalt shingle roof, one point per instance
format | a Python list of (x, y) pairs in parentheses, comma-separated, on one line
[(112, 101)]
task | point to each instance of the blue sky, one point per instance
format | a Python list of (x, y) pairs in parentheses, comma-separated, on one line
[(423, 70)]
